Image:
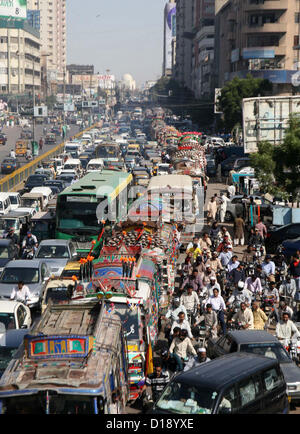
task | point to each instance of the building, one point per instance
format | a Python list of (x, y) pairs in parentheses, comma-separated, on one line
[(169, 37), (203, 48), (20, 57), (128, 82), (34, 19), (260, 38), (53, 35), (184, 42), (79, 70)]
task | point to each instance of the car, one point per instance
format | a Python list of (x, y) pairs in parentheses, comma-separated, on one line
[(278, 235), (258, 342), (59, 184), (3, 139), (35, 181), (238, 383), (12, 341), (9, 165), (67, 178), (56, 254), (34, 273), (8, 252), (14, 315), (290, 247), (235, 207)]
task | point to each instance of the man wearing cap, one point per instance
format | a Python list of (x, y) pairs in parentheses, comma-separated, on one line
[(212, 285), (30, 241), (240, 294), (197, 360), (206, 276), (225, 256)]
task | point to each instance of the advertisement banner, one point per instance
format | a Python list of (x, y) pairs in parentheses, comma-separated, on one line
[(266, 119), (13, 8), (169, 33)]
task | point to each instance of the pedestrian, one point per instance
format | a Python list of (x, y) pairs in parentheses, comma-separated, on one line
[(212, 209), (223, 207), (239, 231), (156, 381)]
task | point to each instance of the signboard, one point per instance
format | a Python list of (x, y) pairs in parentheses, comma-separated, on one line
[(69, 107), (217, 95), (41, 111), (89, 104), (13, 8), (169, 33), (258, 53), (266, 119), (53, 347)]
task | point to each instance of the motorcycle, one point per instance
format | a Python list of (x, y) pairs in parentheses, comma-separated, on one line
[(28, 253), (259, 251), (293, 348)]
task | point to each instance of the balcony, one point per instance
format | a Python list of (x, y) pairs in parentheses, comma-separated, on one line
[(271, 5), (266, 28)]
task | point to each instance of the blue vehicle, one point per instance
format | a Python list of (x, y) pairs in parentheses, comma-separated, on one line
[(290, 247)]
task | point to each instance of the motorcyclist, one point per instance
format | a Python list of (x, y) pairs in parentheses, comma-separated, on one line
[(255, 238), (287, 289), (21, 293), (29, 242), (10, 235), (237, 274), (210, 320), (244, 317), (286, 329), (181, 347), (193, 280), (271, 296), (240, 294), (190, 301), (197, 360), (214, 233), (284, 307)]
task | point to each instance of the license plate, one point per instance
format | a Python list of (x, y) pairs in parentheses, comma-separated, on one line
[(289, 399), (9, 167)]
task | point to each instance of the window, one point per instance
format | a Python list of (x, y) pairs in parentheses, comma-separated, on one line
[(227, 344), (271, 379), (297, 17), (229, 402), (249, 390)]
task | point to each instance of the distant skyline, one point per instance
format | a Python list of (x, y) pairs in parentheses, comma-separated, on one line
[(122, 36)]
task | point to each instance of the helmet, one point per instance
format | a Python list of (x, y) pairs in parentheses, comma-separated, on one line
[(176, 301), (241, 285)]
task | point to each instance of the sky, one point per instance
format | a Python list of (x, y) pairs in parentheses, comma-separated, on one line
[(124, 36)]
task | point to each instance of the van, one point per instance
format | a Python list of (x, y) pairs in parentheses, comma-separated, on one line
[(15, 200), (5, 204), (73, 164), (238, 383), (45, 191), (73, 148), (95, 165)]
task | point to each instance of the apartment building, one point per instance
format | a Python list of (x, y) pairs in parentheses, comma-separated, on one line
[(53, 35), (203, 48), (20, 57), (260, 37), (184, 42)]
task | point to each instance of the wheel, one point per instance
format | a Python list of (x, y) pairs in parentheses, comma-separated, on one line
[(228, 216)]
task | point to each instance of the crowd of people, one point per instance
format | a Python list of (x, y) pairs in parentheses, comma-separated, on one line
[(220, 289)]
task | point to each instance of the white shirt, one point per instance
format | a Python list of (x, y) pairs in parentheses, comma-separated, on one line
[(190, 301), (268, 268), (286, 330), (184, 325), (232, 265), (20, 295), (216, 302), (174, 313)]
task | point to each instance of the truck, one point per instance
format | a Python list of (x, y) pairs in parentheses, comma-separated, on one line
[(73, 361)]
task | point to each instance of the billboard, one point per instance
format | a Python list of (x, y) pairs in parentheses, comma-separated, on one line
[(13, 8), (169, 33), (266, 119), (88, 81)]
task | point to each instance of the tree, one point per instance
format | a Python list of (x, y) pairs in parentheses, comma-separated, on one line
[(278, 167), (232, 95)]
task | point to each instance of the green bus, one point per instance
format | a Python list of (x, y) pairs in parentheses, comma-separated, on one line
[(83, 205)]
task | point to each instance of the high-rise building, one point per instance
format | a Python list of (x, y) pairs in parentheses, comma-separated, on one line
[(184, 42), (20, 58), (203, 48), (260, 38), (169, 37), (53, 35)]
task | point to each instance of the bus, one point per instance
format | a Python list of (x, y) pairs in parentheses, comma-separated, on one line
[(108, 151), (78, 216), (71, 362)]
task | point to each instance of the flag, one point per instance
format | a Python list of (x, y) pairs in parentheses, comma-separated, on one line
[(149, 360)]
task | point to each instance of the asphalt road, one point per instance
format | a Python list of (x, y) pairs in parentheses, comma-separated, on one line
[(14, 133)]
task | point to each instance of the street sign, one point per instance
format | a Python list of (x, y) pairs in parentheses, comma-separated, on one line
[(14, 9), (40, 111)]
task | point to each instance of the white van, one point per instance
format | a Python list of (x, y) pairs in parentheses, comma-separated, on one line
[(73, 164), (5, 205), (15, 200), (74, 148), (95, 165), (45, 191)]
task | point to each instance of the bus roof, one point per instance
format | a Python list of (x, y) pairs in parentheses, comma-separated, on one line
[(108, 183), (170, 183)]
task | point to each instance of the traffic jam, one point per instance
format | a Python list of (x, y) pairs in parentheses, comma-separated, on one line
[(143, 271)]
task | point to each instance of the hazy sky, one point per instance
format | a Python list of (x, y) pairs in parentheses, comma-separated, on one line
[(125, 36)]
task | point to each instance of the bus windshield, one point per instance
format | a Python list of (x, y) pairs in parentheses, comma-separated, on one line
[(77, 212)]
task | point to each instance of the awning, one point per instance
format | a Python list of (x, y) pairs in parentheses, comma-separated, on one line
[(236, 176)]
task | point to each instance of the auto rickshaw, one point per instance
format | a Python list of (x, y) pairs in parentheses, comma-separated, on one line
[(21, 148)]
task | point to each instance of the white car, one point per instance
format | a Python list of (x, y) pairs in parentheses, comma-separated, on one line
[(13, 316)]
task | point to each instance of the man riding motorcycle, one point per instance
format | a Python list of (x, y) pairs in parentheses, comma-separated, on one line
[(30, 242)]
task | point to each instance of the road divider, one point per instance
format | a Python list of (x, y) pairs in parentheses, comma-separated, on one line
[(11, 181)]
